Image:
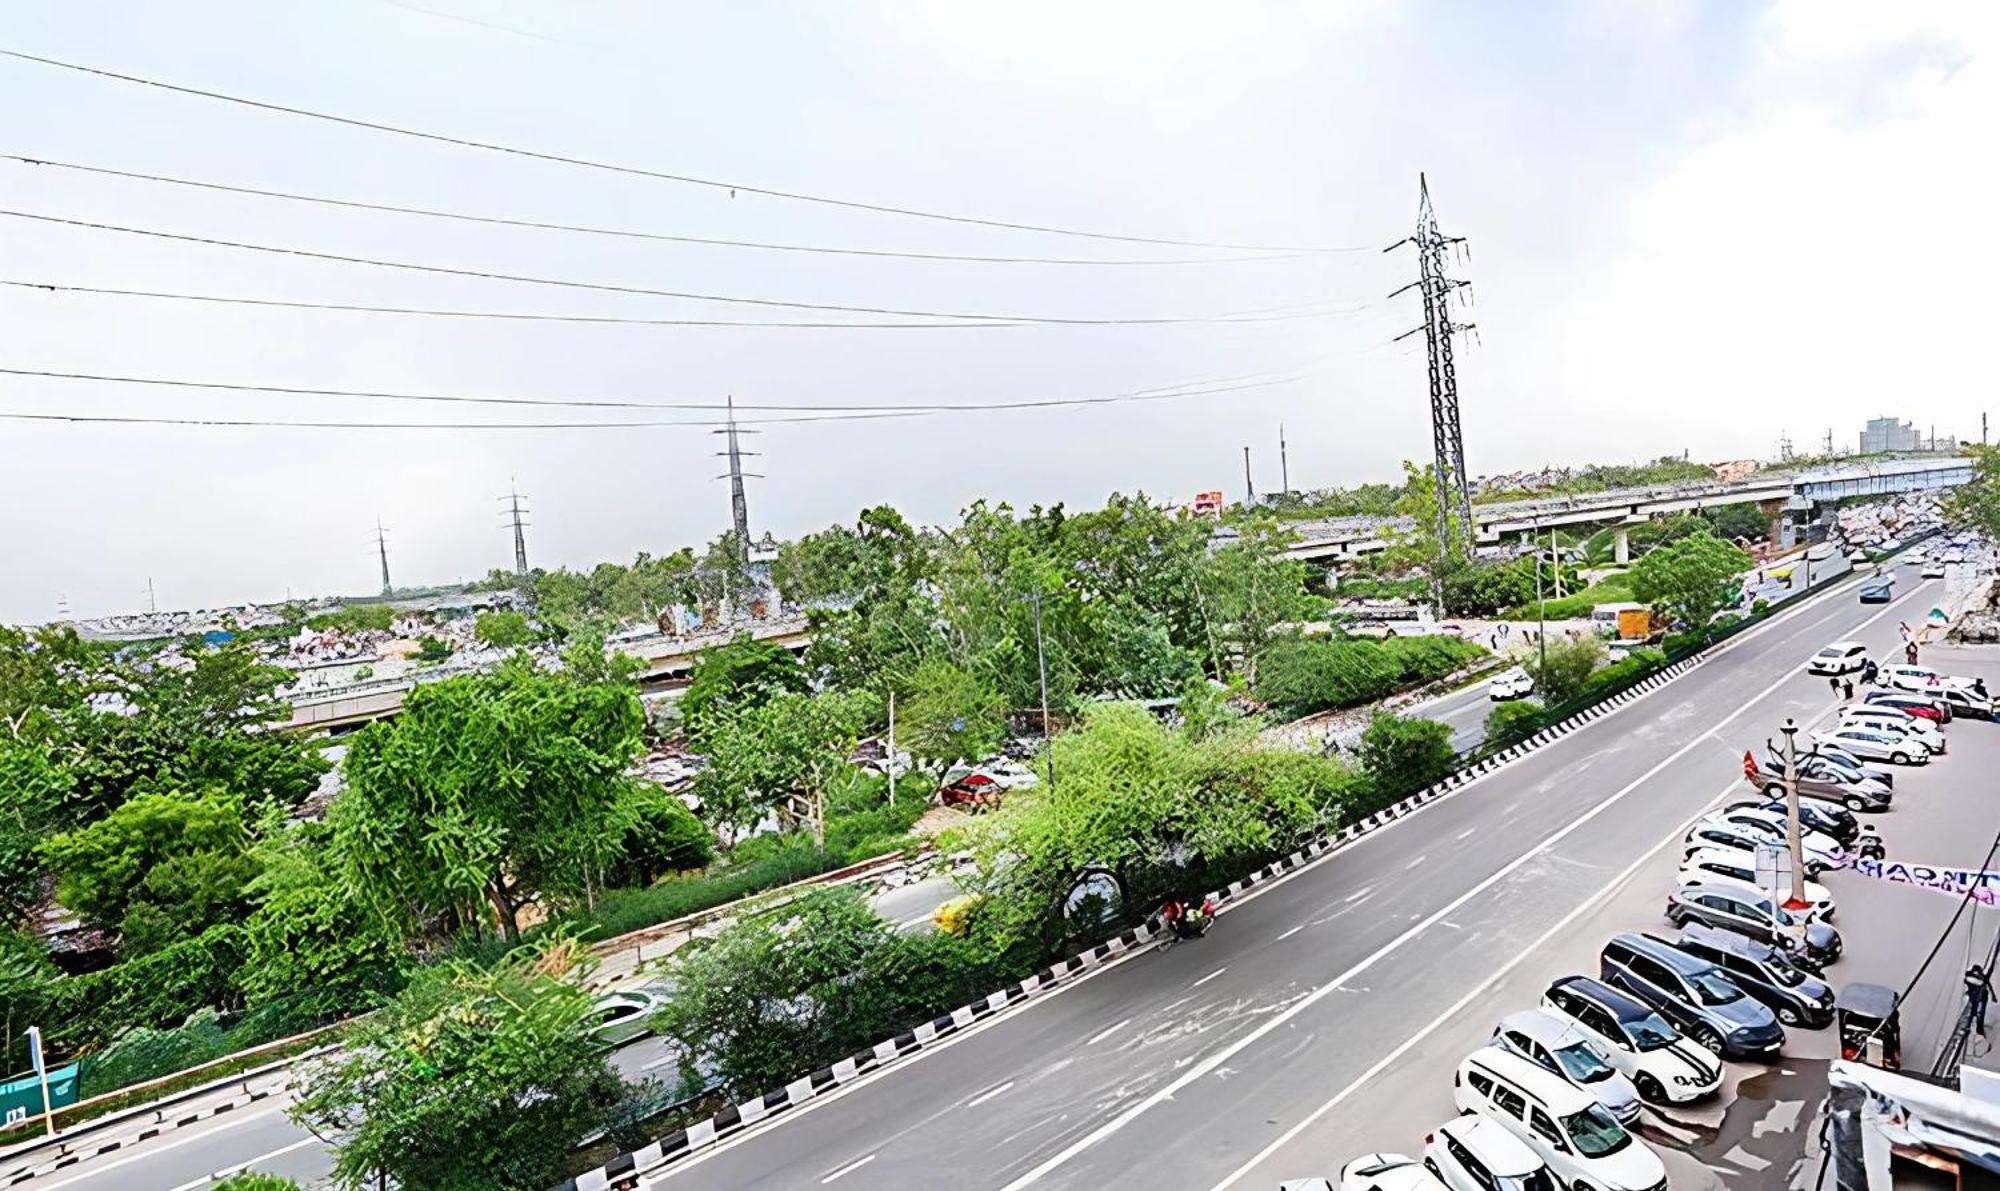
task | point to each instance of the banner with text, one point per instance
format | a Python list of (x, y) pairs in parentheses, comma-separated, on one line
[(1982, 884)]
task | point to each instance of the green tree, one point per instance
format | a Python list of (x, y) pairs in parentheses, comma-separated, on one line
[(432, 649), (1689, 579), (1248, 589), (1487, 588), (355, 618), (1512, 722), (1975, 504), (778, 755), (742, 673), (1569, 663), (472, 1078), (172, 851), (947, 714), (1402, 755), (33, 790), (311, 942), (665, 837), (503, 629), (1734, 522), (496, 787), (27, 982)]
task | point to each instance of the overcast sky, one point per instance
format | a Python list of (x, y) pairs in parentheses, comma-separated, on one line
[(1692, 226)]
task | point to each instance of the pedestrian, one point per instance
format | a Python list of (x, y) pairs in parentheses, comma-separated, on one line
[(1847, 688), (1835, 684), (1870, 671), (1910, 652)]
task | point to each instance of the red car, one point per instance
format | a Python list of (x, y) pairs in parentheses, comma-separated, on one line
[(1917, 705)]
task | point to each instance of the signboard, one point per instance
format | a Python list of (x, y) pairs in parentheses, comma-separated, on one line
[(1981, 886), (1774, 871), (1207, 503), (21, 1099)]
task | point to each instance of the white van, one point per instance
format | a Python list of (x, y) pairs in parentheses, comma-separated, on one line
[(1566, 1127)]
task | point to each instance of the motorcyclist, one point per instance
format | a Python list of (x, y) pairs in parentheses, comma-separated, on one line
[(1194, 917)]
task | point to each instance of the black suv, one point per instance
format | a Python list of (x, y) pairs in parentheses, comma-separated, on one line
[(1750, 913), (1763, 971), (1693, 994)]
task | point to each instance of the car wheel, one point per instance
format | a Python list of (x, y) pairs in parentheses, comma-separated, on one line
[(1900, 758), (1650, 1089), (1675, 916), (1856, 804), (1788, 1015), (1706, 1038), (1774, 790)]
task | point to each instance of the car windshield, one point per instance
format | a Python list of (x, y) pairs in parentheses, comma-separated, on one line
[(1650, 1032), (1539, 1180), (1782, 970), (1582, 1063), (1714, 989), (1595, 1133)]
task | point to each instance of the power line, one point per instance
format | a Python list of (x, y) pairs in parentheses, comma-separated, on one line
[(911, 412), (1277, 314), (733, 188), (633, 234), (1188, 388), (510, 316)]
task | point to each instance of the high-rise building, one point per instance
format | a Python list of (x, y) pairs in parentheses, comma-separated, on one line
[(1889, 434)]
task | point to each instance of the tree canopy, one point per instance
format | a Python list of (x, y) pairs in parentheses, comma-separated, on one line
[(1690, 579)]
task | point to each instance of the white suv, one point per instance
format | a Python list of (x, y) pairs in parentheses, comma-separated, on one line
[(1473, 1153), (1584, 1145)]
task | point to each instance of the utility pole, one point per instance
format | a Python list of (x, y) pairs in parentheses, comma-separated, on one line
[(1042, 670), (1797, 901), (152, 601), (1249, 489), (1829, 442), (516, 517), (1982, 427), (1284, 464), (739, 507), (1541, 623), (1447, 440), (382, 547), (890, 756), (1555, 563)]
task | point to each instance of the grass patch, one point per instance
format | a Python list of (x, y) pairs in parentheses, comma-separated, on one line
[(1576, 606)]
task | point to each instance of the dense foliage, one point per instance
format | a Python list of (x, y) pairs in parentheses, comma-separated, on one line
[(1690, 579), (1302, 675), (1562, 665)]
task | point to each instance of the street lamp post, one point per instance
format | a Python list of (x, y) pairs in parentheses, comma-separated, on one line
[(1797, 901), (1541, 622)]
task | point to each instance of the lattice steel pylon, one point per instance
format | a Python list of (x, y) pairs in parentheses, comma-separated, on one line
[(1454, 495)]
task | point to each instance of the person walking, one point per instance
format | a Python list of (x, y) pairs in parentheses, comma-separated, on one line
[(1847, 688), (1835, 684), (1910, 653)]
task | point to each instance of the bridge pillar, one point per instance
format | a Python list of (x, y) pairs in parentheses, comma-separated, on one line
[(1621, 545), (1774, 516)]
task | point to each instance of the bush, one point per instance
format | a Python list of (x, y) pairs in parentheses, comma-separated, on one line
[(1562, 666), (1511, 723), (157, 990), (251, 1180), (355, 618), (1299, 676), (1402, 755), (667, 838), (1759, 606), (432, 649), (503, 629)]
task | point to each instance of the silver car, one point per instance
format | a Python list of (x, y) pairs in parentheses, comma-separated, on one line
[(1558, 1046)]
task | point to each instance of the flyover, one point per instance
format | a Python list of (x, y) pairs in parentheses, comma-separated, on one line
[(1779, 494)]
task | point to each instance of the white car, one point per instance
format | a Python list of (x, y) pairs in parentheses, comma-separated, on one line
[(1919, 678), (1713, 866), (1375, 1172), (1873, 745), (1554, 1044), (1583, 1145), (1771, 824), (1931, 570), (1894, 720), (1841, 657), (1664, 1067), (1733, 837), (1472, 1153), (1514, 684)]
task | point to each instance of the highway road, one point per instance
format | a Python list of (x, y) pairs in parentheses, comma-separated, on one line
[(1177, 1068), (1464, 712)]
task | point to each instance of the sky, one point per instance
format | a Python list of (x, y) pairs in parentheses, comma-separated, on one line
[(1690, 227)]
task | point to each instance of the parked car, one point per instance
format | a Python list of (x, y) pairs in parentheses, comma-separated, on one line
[(1512, 684), (1472, 1153), (1712, 867), (1754, 915), (1664, 1067), (1874, 745), (1798, 997), (1934, 569), (1376, 1172), (1882, 773), (1820, 779), (1928, 706), (1734, 837), (1556, 1045), (1815, 814), (1566, 1128), (1841, 657), (622, 1017), (1925, 680), (1771, 824), (1879, 590), (1693, 994), (1893, 720)]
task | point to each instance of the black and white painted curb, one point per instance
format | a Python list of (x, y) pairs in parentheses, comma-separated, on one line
[(623, 1171), (87, 1150)]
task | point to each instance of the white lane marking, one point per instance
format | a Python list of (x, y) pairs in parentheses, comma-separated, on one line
[(1357, 895), (850, 1168), (984, 1096), (1463, 834), (1107, 1032), (1459, 1005), (240, 1167), (150, 1150), (1414, 863), (1206, 1066), (1212, 975), (650, 1182), (662, 1061), (1288, 934)]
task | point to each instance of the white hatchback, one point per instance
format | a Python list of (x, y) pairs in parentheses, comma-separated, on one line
[(1841, 657), (1711, 866), (1894, 720), (1473, 1153), (1514, 684), (1874, 745)]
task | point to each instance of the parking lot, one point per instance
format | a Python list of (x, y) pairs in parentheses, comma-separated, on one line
[(1760, 1131)]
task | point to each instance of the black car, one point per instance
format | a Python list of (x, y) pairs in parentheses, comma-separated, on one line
[(1763, 971), (1748, 912), (1815, 814), (1878, 591), (1693, 994)]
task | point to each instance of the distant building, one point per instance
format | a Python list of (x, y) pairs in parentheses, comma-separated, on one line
[(1889, 434), (1737, 469)]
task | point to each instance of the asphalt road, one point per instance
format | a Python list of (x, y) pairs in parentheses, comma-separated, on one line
[(1178, 1067), (1464, 712)]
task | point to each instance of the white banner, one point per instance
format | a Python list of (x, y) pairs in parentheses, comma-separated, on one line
[(1984, 884)]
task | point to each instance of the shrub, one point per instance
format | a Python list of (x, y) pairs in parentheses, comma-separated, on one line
[(1299, 676), (160, 989), (1402, 755), (251, 1180), (503, 629), (432, 649), (1511, 723), (1759, 606), (1562, 666)]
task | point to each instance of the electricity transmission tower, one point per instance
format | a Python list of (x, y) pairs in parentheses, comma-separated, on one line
[(382, 548), (516, 517), (739, 508), (1448, 443)]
